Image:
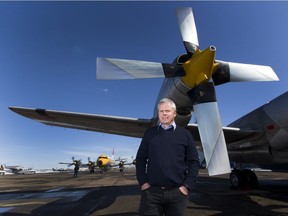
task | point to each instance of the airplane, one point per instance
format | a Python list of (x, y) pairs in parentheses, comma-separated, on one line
[(16, 170), (190, 81), (4, 170), (105, 163), (26, 171), (61, 170)]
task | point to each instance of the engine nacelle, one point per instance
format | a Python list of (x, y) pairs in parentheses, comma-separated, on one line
[(183, 120)]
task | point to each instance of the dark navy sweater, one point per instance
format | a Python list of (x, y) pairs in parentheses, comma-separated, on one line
[(167, 158)]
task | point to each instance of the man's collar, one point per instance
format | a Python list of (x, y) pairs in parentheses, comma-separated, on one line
[(170, 126)]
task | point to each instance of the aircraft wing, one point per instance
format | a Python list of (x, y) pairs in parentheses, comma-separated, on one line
[(15, 169), (133, 127), (232, 134), (68, 164)]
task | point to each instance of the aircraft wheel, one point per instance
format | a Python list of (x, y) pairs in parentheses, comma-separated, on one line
[(237, 179), (252, 179)]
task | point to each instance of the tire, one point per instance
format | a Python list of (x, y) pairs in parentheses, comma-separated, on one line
[(237, 179), (252, 179)]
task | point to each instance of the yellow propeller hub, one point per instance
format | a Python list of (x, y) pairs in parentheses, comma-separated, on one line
[(200, 67)]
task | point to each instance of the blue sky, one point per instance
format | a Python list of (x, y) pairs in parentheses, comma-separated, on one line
[(48, 54)]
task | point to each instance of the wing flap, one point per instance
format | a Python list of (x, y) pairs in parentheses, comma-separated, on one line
[(231, 134), (133, 127)]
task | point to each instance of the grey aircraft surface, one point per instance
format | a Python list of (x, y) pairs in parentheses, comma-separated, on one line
[(260, 137)]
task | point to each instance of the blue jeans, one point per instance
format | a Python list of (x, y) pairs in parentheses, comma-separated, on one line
[(157, 201)]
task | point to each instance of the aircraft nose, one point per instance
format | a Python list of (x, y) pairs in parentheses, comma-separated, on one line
[(100, 162)]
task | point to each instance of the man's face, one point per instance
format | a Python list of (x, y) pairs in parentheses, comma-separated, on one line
[(166, 114)]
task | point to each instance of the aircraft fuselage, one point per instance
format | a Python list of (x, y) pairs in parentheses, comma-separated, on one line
[(271, 146)]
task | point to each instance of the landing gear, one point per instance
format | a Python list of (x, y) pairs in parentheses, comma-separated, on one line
[(243, 179), (252, 179)]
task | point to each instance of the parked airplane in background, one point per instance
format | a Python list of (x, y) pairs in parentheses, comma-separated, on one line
[(259, 137), (16, 170), (105, 163), (61, 170), (5, 171)]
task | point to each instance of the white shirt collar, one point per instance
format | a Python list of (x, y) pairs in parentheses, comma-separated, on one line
[(173, 124)]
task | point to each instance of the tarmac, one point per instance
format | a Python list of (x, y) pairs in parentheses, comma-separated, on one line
[(117, 194)]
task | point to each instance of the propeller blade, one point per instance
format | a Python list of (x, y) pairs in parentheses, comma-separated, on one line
[(212, 138), (238, 72), (108, 68), (210, 128), (188, 29)]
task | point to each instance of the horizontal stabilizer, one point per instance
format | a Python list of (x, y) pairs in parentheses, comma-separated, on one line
[(108, 69)]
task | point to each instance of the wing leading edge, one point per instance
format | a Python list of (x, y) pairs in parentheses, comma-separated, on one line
[(133, 127)]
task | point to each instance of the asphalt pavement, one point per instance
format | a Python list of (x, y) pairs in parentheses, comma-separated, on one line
[(117, 194)]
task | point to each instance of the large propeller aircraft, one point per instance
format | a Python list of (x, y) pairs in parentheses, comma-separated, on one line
[(189, 81), (105, 163)]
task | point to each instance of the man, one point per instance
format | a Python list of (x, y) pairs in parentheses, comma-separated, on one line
[(76, 168), (167, 165)]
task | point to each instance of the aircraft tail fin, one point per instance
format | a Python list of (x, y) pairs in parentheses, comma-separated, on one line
[(112, 156)]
